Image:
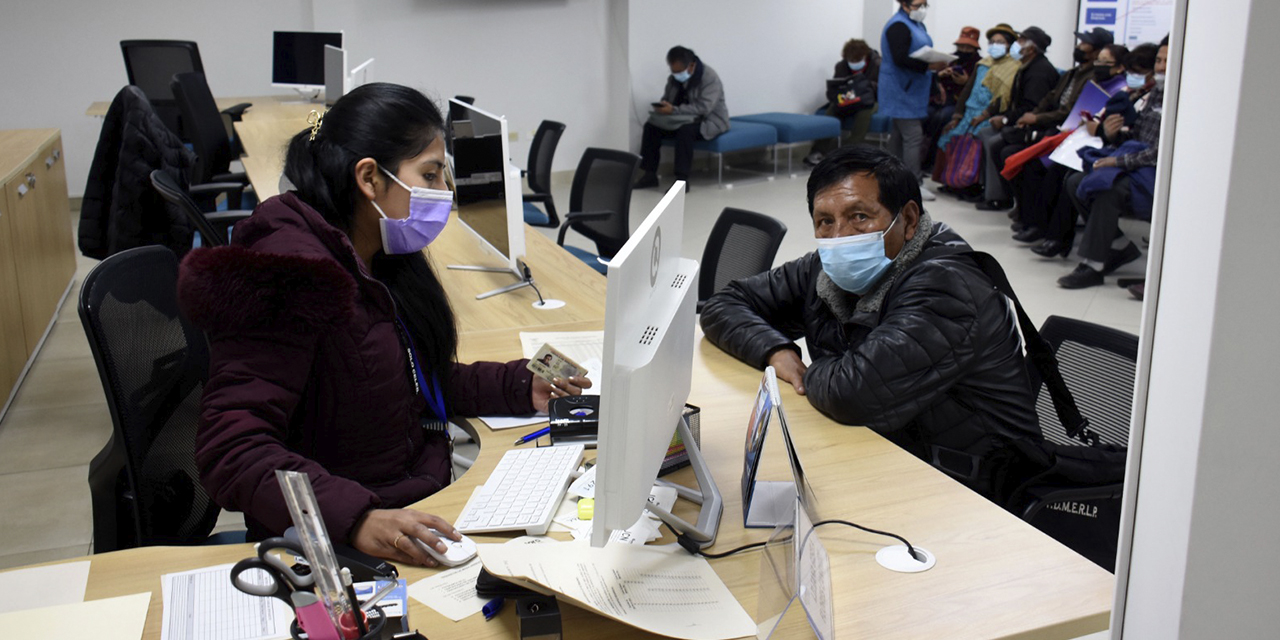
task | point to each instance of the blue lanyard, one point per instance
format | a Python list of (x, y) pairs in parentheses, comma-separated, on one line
[(436, 400)]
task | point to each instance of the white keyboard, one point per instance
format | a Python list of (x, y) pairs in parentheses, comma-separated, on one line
[(523, 491)]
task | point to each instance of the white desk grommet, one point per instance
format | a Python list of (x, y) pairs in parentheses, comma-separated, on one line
[(896, 558), (548, 304)]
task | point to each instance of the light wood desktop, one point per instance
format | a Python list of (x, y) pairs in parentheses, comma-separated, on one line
[(996, 576), (273, 107)]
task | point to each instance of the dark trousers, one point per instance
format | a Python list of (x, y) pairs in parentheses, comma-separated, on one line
[(1059, 221), (1102, 217), (651, 148), (933, 126)]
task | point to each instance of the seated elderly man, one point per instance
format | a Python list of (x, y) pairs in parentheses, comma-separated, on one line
[(906, 333)]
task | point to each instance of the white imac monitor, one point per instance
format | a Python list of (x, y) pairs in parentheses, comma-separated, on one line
[(648, 366), (488, 189), (298, 61)]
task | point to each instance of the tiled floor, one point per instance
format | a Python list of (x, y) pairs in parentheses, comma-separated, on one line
[(59, 420)]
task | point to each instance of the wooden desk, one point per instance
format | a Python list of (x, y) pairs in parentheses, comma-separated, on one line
[(996, 576), (273, 107)]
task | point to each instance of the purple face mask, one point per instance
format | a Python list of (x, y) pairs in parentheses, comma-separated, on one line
[(428, 213)]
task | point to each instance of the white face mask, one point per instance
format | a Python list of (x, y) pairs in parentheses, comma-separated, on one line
[(919, 14)]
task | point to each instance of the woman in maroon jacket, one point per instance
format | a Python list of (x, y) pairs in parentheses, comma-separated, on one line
[(331, 341)]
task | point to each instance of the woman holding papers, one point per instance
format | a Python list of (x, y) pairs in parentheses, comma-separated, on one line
[(905, 82), (331, 342)]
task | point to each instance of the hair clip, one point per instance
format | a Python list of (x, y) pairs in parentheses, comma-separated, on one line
[(315, 118)]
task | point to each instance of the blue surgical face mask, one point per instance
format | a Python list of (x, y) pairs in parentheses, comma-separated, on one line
[(1016, 51), (1135, 80), (857, 66), (1159, 80), (855, 263), (683, 76), (998, 50)]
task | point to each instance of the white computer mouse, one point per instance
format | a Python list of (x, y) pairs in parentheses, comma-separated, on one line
[(458, 553)]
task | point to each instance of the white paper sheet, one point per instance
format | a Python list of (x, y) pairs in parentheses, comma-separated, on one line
[(498, 423), (43, 586), (1067, 154), (453, 592), (659, 589), (580, 346), (931, 55), (203, 605), (122, 618)]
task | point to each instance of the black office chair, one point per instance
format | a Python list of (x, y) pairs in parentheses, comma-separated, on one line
[(144, 484), (151, 65), (541, 153), (600, 203), (1099, 366), (214, 226), (742, 243), (208, 135)]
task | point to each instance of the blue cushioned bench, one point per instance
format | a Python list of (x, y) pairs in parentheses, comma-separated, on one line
[(881, 126), (741, 135), (794, 128)]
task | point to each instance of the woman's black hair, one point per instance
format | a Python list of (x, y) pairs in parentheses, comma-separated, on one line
[(897, 185), (1142, 58), (389, 123)]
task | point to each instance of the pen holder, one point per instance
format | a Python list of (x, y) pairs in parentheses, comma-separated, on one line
[(677, 455), (376, 622)]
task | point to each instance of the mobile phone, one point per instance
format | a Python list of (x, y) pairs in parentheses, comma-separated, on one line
[(1088, 116), (656, 104)]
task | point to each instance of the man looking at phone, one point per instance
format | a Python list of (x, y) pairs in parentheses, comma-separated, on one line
[(692, 108)]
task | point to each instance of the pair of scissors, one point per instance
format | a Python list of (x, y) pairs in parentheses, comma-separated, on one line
[(282, 581)]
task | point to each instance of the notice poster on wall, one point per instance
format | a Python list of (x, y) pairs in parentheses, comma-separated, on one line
[(1132, 21)]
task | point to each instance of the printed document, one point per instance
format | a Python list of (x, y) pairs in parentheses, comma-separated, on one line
[(662, 590), (931, 55), (203, 605)]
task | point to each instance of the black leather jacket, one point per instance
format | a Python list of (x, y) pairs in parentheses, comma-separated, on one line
[(930, 358)]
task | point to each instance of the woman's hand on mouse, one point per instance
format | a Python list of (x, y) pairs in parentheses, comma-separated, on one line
[(389, 534)]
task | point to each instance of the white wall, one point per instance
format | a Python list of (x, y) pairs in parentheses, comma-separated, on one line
[(770, 59), (61, 55), (947, 17), (1204, 562), (528, 60)]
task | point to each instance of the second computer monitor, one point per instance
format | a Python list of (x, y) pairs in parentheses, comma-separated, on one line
[(297, 58), (648, 362), (488, 186)]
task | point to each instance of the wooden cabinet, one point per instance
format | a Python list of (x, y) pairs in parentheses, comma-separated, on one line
[(37, 252)]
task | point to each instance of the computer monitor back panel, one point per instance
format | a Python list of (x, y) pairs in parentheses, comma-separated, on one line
[(335, 74), (489, 191), (297, 58), (648, 359)]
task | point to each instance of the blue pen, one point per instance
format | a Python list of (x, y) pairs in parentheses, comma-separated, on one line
[(534, 436), (492, 608)]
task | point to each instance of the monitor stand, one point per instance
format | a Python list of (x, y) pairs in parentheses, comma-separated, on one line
[(526, 280), (306, 96), (707, 495)]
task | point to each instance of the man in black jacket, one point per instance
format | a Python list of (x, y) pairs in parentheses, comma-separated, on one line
[(906, 334), (1035, 80)]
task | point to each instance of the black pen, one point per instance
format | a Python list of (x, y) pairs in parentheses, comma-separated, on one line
[(534, 436)]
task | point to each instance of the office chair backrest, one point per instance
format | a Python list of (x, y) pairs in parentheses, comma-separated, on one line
[(151, 65), (153, 365), (742, 243), (541, 154), (203, 123), (602, 182), (1099, 365), (174, 194)]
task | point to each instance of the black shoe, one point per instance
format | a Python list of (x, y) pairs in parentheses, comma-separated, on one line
[(1082, 278), (1029, 235), (994, 205), (1121, 257), (1052, 249), (646, 181), (1017, 227)]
